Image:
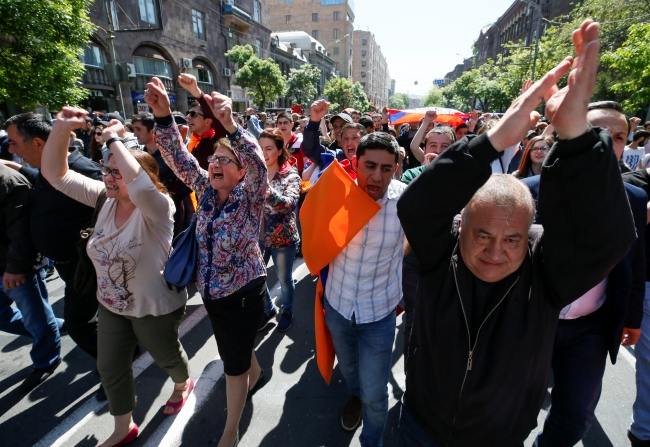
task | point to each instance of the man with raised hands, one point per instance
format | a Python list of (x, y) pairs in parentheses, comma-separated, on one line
[(491, 285)]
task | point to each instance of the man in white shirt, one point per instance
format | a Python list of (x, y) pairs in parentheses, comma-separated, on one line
[(634, 152), (363, 289)]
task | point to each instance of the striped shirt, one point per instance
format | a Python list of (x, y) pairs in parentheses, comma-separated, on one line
[(365, 279)]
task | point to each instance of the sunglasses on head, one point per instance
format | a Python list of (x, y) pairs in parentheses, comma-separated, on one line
[(193, 113)]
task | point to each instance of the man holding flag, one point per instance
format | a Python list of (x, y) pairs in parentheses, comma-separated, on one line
[(354, 240)]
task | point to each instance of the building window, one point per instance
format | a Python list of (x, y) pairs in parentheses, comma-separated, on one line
[(257, 11), (363, 84), (363, 63), (336, 34), (258, 48), (148, 11), (93, 56), (287, 19), (146, 67), (204, 78), (337, 15), (336, 51), (314, 17), (363, 52), (314, 34), (364, 41), (197, 24)]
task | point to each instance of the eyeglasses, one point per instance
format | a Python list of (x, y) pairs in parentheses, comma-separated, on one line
[(115, 173), (223, 160), (193, 113), (98, 133), (540, 149)]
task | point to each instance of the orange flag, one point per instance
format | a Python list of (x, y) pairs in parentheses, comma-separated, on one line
[(335, 210)]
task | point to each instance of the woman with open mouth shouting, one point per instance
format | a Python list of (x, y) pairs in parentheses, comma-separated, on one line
[(128, 248), (231, 275)]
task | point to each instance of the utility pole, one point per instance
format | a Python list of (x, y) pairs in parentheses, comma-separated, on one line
[(111, 47), (537, 32)]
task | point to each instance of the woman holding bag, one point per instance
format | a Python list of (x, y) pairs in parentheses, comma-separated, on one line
[(231, 275), (129, 247)]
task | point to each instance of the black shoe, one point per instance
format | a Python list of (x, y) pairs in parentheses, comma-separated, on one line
[(261, 381), (285, 321), (100, 395), (266, 317), (636, 442), (351, 415), (38, 376)]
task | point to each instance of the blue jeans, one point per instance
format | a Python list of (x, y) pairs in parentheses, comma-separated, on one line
[(283, 262), (640, 426), (32, 317), (579, 358), (364, 353)]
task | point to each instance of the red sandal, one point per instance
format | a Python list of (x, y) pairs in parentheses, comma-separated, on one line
[(177, 406), (130, 436)]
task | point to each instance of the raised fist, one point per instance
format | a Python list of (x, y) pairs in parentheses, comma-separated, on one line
[(71, 118), (319, 109), (156, 97), (429, 117), (188, 82), (221, 107)]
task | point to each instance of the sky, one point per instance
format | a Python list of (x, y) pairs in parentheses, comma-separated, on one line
[(424, 39)]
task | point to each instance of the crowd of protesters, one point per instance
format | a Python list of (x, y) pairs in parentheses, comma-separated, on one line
[(516, 245)]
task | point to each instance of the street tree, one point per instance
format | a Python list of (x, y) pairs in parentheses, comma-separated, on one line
[(262, 77), (434, 98), (40, 49), (399, 101), (301, 83), (632, 64), (342, 93)]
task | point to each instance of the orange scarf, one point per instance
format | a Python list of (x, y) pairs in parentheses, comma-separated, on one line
[(194, 142)]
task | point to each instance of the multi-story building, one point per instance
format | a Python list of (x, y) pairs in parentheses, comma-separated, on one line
[(164, 39), (290, 49), (517, 24), (370, 68), (330, 22)]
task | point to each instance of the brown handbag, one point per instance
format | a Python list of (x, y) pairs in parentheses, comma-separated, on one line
[(85, 277)]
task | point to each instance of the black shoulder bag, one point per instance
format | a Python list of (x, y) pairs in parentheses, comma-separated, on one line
[(85, 277)]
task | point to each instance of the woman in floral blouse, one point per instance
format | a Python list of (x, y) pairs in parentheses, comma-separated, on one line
[(279, 235), (129, 248), (231, 275)]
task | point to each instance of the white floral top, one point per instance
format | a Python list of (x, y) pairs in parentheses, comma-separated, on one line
[(129, 261)]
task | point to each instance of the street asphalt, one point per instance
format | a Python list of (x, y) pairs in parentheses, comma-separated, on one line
[(295, 408)]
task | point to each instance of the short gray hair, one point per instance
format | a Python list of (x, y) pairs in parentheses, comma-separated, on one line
[(503, 190)]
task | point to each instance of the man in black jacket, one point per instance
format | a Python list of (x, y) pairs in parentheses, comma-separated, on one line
[(23, 283), (56, 220), (491, 289)]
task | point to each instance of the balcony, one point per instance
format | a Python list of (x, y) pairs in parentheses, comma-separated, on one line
[(234, 14), (95, 78)]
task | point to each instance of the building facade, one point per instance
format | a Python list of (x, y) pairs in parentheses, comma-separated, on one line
[(164, 39), (370, 68), (517, 24), (330, 22)]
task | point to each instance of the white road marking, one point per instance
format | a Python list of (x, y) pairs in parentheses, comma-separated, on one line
[(170, 431), (70, 425)]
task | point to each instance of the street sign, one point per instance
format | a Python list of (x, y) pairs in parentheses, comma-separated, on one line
[(438, 82), (143, 108)]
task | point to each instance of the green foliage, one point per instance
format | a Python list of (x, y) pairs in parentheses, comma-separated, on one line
[(342, 93), (434, 98), (633, 59), (262, 77), (622, 77), (399, 101), (300, 83), (40, 43)]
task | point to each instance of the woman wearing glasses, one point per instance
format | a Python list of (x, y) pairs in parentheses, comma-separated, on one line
[(534, 154), (129, 248), (96, 143), (231, 275)]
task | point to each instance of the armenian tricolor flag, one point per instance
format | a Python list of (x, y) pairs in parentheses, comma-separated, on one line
[(447, 116)]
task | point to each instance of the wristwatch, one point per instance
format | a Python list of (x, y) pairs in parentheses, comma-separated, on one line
[(113, 140)]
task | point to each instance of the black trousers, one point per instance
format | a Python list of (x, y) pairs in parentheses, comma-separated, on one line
[(79, 311)]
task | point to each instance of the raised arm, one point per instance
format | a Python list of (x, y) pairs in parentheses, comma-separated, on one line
[(426, 214), (588, 225), (170, 142), (429, 117), (311, 146), (189, 83), (253, 124)]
